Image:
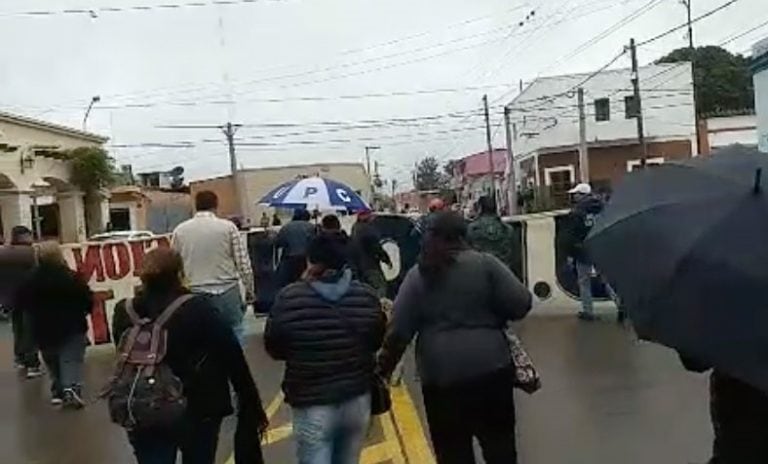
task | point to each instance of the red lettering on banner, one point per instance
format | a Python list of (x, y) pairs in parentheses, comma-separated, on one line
[(116, 269), (99, 323), (137, 250), (90, 265)]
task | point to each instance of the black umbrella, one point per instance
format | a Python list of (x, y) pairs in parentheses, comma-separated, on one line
[(686, 246)]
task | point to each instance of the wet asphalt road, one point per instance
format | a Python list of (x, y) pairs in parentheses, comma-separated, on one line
[(606, 399)]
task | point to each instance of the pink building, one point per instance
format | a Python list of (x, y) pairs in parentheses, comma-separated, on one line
[(472, 177)]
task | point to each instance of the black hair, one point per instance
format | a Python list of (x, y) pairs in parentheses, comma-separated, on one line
[(486, 205), (329, 251), (446, 237), (206, 201), (18, 233), (331, 222)]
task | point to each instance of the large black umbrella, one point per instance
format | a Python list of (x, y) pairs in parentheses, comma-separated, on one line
[(686, 247)]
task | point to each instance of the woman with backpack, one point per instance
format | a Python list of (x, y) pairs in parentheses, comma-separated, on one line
[(56, 302), (459, 301), (327, 328), (202, 353)]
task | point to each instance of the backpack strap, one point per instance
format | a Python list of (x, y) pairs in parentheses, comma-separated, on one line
[(131, 312), (163, 318)]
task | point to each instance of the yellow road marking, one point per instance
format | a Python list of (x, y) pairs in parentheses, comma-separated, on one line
[(409, 429), (275, 405), (380, 452), (391, 441)]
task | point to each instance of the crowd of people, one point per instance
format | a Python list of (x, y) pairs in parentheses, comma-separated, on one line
[(180, 340)]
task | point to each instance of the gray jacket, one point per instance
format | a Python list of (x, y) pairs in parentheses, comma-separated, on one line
[(459, 320)]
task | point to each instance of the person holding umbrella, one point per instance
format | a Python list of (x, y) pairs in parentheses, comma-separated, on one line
[(685, 242)]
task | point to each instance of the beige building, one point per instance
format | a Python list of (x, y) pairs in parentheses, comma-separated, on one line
[(157, 210), (255, 183), (28, 176)]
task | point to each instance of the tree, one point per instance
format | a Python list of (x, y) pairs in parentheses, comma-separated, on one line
[(92, 169), (723, 80), (428, 175)]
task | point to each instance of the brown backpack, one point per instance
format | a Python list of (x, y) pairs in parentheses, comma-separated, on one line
[(144, 393)]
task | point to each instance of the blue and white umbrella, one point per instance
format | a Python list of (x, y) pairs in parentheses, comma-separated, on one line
[(315, 193)]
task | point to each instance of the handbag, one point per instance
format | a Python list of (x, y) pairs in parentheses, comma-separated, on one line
[(526, 376), (381, 401)]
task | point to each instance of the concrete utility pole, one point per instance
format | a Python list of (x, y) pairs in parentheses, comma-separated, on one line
[(511, 167), (692, 53), (583, 153), (638, 109), (490, 147), (229, 130), (368, 150)]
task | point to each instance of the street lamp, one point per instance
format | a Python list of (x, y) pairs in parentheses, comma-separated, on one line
[(37, 186), (95, 99)]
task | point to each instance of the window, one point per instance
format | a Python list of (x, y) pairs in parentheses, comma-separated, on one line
[(635, 164), (559, 179), (630, 107), (602, 109)]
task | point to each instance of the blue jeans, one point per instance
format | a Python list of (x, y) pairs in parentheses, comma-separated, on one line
[(65, 364), (333, 433), (584, 276), (196, 439), (231, 308)]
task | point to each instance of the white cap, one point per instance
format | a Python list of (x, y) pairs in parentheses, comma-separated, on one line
[(583, 189)]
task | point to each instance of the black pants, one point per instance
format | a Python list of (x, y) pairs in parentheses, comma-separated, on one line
[(24, 347), (290, 270), (196, 439), (483, 408)]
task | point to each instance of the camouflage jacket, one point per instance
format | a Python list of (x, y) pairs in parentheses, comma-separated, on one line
[(490, 235)]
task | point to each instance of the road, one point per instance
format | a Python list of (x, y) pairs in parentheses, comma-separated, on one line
[(607, 398)]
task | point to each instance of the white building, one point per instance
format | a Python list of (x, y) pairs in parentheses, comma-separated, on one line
[(546, 124), (724, 130), (29, 175), (760, 71)]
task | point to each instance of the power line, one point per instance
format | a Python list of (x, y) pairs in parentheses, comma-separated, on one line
[(686, 24), (95, 11), (738, 36)]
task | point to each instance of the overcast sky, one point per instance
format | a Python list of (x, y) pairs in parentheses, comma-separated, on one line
[(286, 63)]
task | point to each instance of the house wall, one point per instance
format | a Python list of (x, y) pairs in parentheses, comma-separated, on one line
[(724, 131), (608, 165), (258, 182), (166, 210), (542, 119), (760, 79)]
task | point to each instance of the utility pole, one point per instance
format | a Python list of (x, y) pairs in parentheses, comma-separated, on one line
[(368, 150), (229, 130), (638, 109), (511, 168), (692, 53), (491, 171), (583, 154)]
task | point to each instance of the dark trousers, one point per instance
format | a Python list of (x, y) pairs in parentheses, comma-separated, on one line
[(196, 439), (483, 408), (24, 347), (65, 364)]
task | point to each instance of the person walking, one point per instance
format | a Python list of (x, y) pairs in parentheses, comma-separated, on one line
[(293, 240), (327, 328), (216, 261), (56, 302), (264, 221), (458, 301), (25, 351), (489, 234), (368, 254), (586, 208), (276, 221), (739, 414), (204, 354)]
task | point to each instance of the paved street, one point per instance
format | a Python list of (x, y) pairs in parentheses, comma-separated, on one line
[(606, 399)]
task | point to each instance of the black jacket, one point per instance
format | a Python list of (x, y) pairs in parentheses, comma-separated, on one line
[(367, 252), (203, 352), (57, 301), (327, 332), (577, 225)]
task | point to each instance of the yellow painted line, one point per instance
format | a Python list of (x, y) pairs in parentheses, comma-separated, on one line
[(377, 453), (390, 439), (275, 405), (277, 434), (409, 429)]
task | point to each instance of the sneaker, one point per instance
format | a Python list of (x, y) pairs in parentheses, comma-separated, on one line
[(57, 400), (33, 373), (72, 399), (586, 316)]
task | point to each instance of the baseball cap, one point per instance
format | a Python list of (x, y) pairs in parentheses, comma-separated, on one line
[(583, 189)]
